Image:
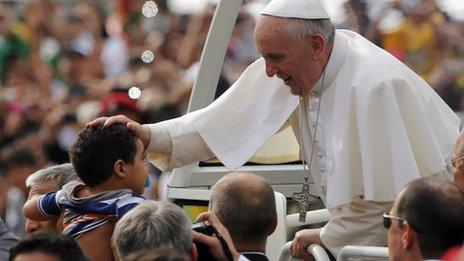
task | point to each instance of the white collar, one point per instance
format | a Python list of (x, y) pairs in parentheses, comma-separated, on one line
[(254, 253)]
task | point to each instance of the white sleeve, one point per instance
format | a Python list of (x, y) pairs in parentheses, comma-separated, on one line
[(175, 143)]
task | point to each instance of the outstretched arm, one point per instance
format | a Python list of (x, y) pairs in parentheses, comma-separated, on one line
[(170, 144), (42, 208)]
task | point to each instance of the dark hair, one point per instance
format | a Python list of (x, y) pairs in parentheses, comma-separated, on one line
[(97, 149), (52, 243), (435, 209), (247, 212), (18, 157)]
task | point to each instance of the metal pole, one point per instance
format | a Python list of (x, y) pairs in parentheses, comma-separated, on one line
[(207, 79), (213, 54)]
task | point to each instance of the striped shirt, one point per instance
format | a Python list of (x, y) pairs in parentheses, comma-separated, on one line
[(86, 213)]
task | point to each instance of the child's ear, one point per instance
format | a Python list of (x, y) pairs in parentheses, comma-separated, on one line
[(119, 168)]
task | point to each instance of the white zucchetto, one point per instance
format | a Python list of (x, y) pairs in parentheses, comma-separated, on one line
[(303, 9)]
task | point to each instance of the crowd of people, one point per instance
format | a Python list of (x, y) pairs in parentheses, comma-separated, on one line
[(65, 63), (424, 223)]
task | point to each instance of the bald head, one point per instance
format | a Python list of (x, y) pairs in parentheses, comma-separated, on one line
[(248, 184), (245, 204)]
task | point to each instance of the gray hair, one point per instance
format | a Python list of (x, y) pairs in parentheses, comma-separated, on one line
[(64, 173), (301, 28), (151, 225)]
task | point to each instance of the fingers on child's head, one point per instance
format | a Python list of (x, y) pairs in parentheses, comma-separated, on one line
[(131, 126), (107, 121), (96, 122), (110, 121)]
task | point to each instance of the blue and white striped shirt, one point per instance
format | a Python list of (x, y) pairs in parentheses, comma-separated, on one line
[(86, 213)]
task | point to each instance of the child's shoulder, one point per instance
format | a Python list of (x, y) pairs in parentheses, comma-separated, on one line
[(127, 202), (75, 190), (81, 194)]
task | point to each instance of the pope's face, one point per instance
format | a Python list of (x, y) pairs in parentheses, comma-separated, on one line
[(292, 60)]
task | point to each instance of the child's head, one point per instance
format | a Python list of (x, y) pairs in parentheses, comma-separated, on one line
[(100, 154)]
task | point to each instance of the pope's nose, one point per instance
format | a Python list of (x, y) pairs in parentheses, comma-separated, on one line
[(271, 70)]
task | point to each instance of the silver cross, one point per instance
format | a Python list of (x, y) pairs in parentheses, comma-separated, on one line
[(304, 199)]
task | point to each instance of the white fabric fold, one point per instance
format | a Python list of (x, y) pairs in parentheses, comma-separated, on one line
[(175, 143), (239, 122), (388, 126)]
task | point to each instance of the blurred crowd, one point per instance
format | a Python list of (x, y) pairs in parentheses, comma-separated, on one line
[(64, 63)]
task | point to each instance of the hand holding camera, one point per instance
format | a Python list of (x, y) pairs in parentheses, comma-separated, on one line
[(213, 234)]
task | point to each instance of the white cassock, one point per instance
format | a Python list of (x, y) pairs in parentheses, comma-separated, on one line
[(380, 126)]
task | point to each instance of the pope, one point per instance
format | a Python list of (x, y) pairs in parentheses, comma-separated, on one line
[(365, 122)]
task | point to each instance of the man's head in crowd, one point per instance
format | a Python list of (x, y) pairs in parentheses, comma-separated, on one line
[(110, 157), (45, 181), (152, 225), (19, 163), (425, 220), (46, 245), (245, 204)]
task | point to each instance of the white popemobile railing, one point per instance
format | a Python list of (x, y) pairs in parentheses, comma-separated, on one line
[(193, 182), (346, 253), (369, 252)]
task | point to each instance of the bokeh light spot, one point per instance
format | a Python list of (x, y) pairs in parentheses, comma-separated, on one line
[(147, 56), (149, 9), (134, 92)]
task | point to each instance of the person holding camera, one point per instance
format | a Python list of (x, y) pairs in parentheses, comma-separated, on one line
[(245, 204), (154, 224)]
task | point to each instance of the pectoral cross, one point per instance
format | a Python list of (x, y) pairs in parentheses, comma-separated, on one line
[(304, 199)]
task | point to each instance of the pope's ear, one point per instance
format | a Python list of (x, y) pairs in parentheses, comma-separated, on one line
[(318, 44)]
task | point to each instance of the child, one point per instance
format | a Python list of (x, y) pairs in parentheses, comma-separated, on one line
[(111, 163)]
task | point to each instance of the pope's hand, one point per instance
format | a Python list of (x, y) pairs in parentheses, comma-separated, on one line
[(142, 131), (302, 240)]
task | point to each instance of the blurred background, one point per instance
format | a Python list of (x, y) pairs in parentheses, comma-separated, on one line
[(64, 63)]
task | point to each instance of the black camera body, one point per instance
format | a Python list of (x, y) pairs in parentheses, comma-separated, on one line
[(206, 228), (203, 227)]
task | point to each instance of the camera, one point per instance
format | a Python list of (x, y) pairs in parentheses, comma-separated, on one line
[(203, 227), (206, 228)]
